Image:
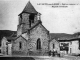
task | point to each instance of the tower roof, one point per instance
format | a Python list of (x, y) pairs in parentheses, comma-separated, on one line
[(29, 8)]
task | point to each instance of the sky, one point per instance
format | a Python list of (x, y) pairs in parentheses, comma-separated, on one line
[(55, 19)]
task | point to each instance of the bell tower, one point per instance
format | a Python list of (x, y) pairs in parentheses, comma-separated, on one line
[(27, 18)]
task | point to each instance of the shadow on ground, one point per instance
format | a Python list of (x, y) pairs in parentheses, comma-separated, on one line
[(16, 58)]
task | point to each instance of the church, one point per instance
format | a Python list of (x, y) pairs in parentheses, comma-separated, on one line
[(34, 39), (32, 36)]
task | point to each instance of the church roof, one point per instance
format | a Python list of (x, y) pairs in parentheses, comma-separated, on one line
[(29, 9), (19, 37)]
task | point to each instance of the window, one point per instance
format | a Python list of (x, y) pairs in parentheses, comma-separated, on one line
[(38, 44), (31, 18), (53, 46), (20, 45), (0, 50), (79, 44)]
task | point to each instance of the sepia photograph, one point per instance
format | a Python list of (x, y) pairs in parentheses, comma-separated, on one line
[(39, 29)]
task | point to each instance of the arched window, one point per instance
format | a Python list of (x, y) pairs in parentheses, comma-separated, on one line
[(20, 45), (31, 17), (38, 44), (53, 46)]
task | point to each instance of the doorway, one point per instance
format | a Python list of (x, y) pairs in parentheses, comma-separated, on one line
[(64, 47)]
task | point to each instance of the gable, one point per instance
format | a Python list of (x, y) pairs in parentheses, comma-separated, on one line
[(54, 41), (20, 38), (39, 29), (39, 32)]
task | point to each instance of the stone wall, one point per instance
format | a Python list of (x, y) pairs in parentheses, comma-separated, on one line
[(24, 23), (16, 45), (9, 49), (4, 46), (39, 32), (75, 47), (56, 45), (19, 30)]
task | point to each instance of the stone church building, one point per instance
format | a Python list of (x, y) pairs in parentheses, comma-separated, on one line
[(34, 39), (32, 36)]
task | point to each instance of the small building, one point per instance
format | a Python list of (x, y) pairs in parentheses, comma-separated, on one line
[(6, 45), (71, 46), (65, 43), (54, 45)]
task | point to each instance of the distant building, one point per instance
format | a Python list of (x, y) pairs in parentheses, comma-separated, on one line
[(70, 46), (6, 45), (54, 45), (65, 44)]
